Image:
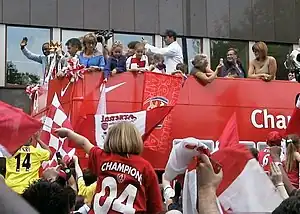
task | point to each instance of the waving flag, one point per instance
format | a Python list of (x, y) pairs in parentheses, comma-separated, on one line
[(16, 128), (244, 187), (230, 135), (56, 118), (145, 121), (294, 123)]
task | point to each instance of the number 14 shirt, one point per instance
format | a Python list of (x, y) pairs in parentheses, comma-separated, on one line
[(125, 185), (23, 167)]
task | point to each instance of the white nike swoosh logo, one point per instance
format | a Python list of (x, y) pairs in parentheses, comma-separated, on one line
[(114, 87), (63, 91)]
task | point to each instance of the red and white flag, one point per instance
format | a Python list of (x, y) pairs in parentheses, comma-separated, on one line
[(101, 108), (230, 135), (56, 118), (244, 187), (293, 126), (16, 128), (145, 121)]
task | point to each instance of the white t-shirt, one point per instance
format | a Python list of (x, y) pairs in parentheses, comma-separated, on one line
[(172, 54)]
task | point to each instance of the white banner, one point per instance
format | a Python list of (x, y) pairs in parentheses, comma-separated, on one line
[(104, 121)]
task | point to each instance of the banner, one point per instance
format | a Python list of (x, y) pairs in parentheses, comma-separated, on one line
[(160, 90), (144, 121)]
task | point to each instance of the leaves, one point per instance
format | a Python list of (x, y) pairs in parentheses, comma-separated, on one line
[(18, 78)]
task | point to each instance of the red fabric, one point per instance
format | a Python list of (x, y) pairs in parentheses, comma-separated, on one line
[(294, 175), (264, 159), (16, 127), (294, 123), (232, 167), (153, 118), (160, 90), (114, 180), (140, 63), (274, 138), (230, 135)]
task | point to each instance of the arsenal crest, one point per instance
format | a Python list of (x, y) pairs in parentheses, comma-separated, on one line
[(104, 126), (121, 178)]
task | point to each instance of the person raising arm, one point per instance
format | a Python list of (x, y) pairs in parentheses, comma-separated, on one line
[(201, 70)]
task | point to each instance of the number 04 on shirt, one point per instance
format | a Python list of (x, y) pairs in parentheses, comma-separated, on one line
[(125, 184)]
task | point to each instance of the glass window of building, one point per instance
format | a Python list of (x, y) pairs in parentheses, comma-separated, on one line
[(279, 52), (194, 47), (19, 69), (127, 38), (68, 34), (219, 48)]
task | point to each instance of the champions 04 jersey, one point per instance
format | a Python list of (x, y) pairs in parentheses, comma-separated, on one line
[(265, 159), (23, 167), (125, 185)]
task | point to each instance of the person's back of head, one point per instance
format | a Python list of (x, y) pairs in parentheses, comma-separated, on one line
[(290, 205), (47, 197), (292, 146), (254, 152), (123, 139), (88, 177), (74, 42), (274, 138)]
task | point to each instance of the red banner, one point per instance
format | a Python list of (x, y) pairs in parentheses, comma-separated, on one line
[(160, 90)]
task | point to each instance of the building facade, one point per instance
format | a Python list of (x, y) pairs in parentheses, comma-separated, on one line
[(203, 26)]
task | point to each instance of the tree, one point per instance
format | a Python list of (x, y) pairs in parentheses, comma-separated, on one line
[(18, 78)]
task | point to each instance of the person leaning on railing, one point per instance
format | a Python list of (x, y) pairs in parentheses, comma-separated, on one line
[(263, 67), (90, 57), (201, 71)]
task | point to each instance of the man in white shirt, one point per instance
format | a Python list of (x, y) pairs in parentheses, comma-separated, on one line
[(172, 53)]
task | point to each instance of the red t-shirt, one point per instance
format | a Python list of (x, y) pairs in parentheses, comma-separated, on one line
[(125, 184), (264, 159)]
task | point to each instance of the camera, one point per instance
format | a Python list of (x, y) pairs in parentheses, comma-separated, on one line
[(292, 63), (104, 35)]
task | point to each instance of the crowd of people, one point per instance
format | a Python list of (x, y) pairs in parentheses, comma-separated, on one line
[(140, 56), (118, 179)]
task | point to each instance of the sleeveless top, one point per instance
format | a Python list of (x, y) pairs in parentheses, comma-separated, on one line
[(294, 175), (261, 69)]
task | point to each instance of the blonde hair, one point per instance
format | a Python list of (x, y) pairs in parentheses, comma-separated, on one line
[(292, 144), (199, 60), (117, 44), (90, 37), (123, 138), (262, 48)]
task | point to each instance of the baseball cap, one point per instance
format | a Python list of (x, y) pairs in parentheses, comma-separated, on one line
[(274, 138)]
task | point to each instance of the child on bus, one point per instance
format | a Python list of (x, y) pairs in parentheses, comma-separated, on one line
[(293, 159), (127, 183), (116, 63), (139, 61)]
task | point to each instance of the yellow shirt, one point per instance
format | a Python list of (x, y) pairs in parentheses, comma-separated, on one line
[(23, 167), (87, 192)]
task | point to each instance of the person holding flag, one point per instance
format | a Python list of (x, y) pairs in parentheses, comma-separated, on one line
[(23, 167)]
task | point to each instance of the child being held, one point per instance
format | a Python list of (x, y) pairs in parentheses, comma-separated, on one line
[(116, 63), (158, 65)]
